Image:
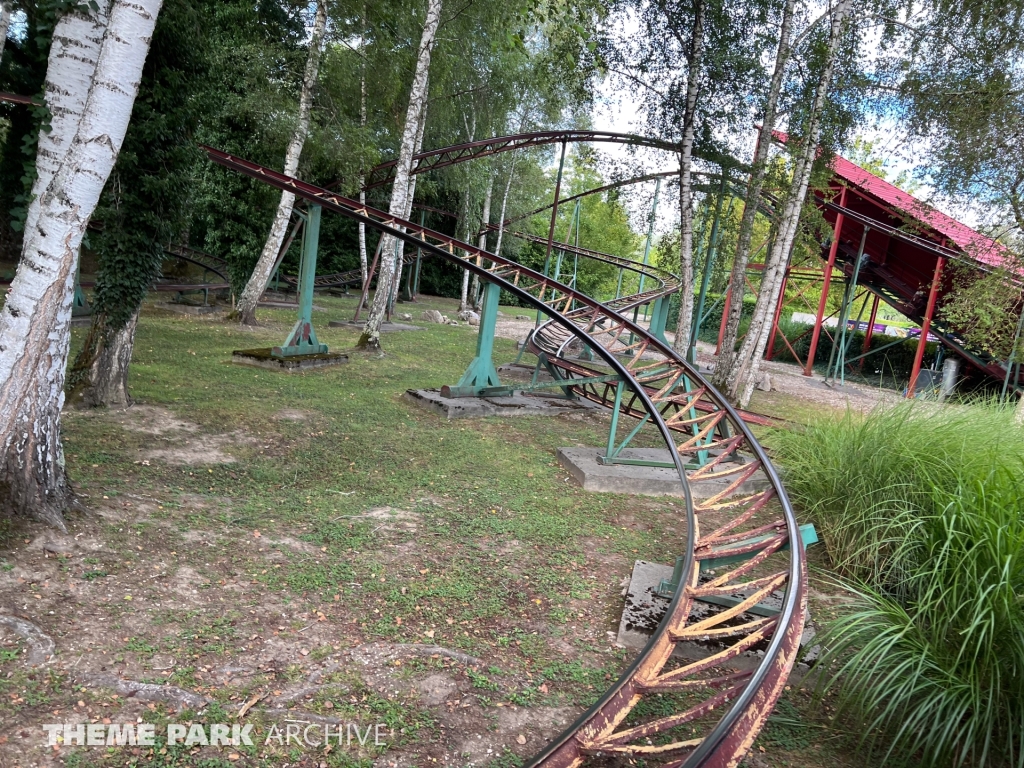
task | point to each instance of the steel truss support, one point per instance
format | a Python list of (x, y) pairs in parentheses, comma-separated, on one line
[(844, 336), (481, 373), (926, 324), (302, 339), (709, 263), (832, 252)]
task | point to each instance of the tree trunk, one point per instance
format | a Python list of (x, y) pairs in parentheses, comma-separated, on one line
[(362, 177), (400, 261), (5, 22), (246, 307), (723, 369), (70, 68), (682, 340), (35, 321), (747, 367), (485, 219), (464, 221), (504, 205), (102, 366), (401, 199)]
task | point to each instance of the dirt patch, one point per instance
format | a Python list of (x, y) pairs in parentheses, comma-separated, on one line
[(292, 414)]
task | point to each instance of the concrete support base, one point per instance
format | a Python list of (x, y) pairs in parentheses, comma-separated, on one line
[(261, 358), (189, 309), (644, 610), (478, 407), (585, 467), (384, 327)]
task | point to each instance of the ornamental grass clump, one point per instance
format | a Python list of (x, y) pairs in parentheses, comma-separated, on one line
[(868, 481), (921, 511), (937, 673)]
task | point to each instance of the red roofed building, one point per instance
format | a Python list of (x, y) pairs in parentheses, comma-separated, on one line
[(906, 246)]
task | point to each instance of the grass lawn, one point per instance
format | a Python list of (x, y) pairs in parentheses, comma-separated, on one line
[(316, 546)]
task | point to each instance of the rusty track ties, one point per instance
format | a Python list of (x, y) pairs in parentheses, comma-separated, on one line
[(716, 710)]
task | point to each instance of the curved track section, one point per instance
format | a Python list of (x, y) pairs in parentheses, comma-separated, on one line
[(460, 153), (662, 709)]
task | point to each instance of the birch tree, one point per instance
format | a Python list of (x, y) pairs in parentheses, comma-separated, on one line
[(35, 320), (743, 374), (5, 22), (246, 308), (753, 197), (401, 197), (694, 63)]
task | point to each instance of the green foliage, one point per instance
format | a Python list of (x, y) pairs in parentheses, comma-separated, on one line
[(938, 673), (919, 507), (144, 204), (984, 308)]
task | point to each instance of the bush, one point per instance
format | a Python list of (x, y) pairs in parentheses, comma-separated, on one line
[(921, 510)]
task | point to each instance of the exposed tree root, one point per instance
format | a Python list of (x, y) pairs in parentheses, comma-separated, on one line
[(40, 644), (150, 692)]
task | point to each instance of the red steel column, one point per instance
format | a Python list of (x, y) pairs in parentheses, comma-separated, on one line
[(809, 368), (775, 320), (870, 331), (928, 314), (725, 319)]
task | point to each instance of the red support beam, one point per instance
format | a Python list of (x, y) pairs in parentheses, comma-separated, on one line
[(832, 252), (926, 325), (725, 320), (775, 320)]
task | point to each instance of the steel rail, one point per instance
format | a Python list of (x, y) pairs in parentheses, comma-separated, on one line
[(446, 156), (744, 699)]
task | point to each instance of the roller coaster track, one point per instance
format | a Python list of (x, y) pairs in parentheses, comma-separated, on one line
[(207, 261), (460, 153), (706, 712)]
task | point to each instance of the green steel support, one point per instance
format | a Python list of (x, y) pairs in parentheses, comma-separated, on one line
[(659, 319), (80, 306), (647, 251), (844, 315), (668, 586), (709, 263), (554, 217), (302, 339), (481, 373)]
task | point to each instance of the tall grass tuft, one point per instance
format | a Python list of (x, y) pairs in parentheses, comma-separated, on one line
[(867, 481), (921, 510), (939, 673)]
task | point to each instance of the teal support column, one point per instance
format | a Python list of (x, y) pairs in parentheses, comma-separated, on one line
[(709, 263), (419, 258), (302, 339), (659, 319), (80, 307), (843, 336), (551, 227), (481, 373)]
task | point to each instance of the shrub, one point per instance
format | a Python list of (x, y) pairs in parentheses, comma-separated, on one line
[(939, 672), (921, 510)]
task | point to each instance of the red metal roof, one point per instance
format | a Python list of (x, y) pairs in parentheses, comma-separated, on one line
[(972, 243)]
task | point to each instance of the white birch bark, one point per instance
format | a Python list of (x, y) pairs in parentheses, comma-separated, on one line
[(504, 205), (682, 338), (400, 260), (724, 367), (401, 199), (464, 221), (741, 385), (5, 22), (485, 219), (35, 321), (70, 68), (246, 307)]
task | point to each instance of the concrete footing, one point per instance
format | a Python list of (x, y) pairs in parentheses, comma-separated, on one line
[(261, 358), (189, 309), (644, 610), (384, 327), (478, 407), (586, 468)]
